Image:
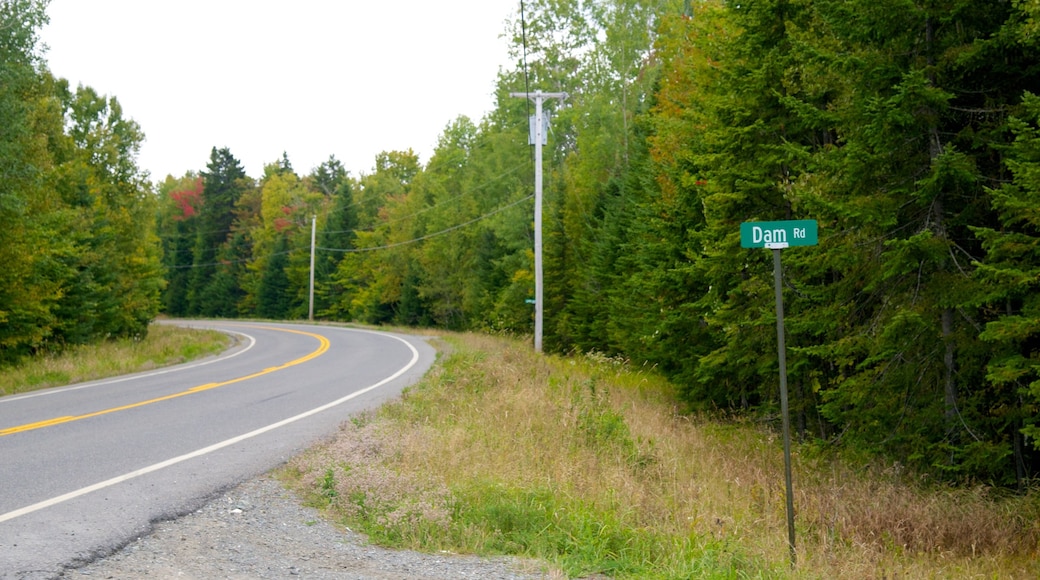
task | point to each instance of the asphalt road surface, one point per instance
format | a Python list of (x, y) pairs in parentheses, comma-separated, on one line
[(87, 468)]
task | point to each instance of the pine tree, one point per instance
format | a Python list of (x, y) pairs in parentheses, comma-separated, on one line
[(1011, 272), (179, 201), (332, 189), (274, 299), (336, 237), (224, 182)]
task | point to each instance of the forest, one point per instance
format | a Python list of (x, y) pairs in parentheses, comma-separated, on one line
[(906, 128)]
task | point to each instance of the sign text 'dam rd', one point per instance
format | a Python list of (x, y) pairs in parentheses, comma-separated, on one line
[(778, 235)]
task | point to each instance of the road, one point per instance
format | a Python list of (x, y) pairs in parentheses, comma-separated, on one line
[(87, 468)]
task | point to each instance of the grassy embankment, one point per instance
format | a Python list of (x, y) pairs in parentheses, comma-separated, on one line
[(165, 345), (588, 465)]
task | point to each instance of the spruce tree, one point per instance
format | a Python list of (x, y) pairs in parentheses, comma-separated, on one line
[(1011, 275), (224, 182), (273, 299)]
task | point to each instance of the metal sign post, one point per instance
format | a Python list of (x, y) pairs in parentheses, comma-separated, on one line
[(776, 236)]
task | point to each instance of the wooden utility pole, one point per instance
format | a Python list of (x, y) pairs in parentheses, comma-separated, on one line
[(310, 307), (538, 138)]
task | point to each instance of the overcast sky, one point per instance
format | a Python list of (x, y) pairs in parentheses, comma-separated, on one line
[(313, 78)]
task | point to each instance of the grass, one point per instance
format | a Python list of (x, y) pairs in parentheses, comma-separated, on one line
[(163, 346), (590, 466)]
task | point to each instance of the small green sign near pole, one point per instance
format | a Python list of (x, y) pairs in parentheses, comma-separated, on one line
[(776, 236)]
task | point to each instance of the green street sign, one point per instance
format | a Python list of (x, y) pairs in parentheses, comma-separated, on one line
[(778, 235)]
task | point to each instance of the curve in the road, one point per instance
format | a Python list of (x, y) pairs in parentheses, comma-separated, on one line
[(227, 442), (323, 346), (181, 367)]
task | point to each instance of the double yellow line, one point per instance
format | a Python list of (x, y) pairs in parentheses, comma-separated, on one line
[(322, 347)]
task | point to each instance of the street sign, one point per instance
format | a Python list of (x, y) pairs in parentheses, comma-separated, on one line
[(778, 235)]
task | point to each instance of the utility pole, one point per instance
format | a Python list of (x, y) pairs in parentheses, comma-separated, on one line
[(314, 228), (538, 139)]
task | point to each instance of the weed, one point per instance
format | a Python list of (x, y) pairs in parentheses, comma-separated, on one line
[(327, 485), (586, 464)]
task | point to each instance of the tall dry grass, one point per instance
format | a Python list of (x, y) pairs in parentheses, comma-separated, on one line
[(534, 443)]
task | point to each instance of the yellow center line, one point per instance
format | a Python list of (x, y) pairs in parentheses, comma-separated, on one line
[(322, 347)]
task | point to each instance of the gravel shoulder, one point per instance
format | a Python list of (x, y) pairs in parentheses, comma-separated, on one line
[(260, 530)]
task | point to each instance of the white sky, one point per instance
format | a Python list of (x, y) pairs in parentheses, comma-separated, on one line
[(350, 78)]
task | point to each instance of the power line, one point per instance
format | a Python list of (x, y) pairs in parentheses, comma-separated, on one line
[(357, 250), (428, 236), (195, 234), (229, 262), (472, 190), (354, 202)]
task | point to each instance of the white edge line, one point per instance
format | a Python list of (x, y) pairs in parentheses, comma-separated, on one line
[(103, 382), (215, 447)]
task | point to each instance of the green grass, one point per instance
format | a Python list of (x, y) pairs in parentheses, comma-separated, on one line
[(588, 466), (163, 346), (582, 538)]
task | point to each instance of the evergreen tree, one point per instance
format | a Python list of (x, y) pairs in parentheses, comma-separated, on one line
[(1010, 273), (335, 235), (913, 107), (274, 299), (119, 266), (179, 200), (30, 279), (337, 238), (372, 277), (223, 183), (446, 198), (81, 260)]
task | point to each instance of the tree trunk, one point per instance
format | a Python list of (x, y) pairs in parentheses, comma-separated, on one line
[(949, 385)]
